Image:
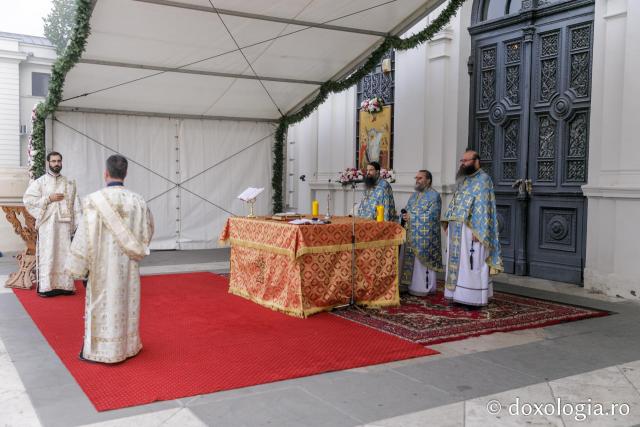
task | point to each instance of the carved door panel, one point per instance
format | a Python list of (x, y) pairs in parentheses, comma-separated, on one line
[(500, 127), (559, 134), (529, 122)]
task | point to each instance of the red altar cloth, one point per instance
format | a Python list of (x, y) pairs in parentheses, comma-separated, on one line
[(305, 269)]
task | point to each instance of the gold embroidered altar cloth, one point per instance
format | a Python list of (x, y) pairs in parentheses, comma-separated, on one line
[(304, 269)]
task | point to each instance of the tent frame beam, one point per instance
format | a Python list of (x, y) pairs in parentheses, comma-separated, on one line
[(400, 29), (199, 72), (65, 109), (265, 17)]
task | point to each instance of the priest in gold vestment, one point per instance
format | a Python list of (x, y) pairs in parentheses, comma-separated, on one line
[(112, 238), (53, 202)]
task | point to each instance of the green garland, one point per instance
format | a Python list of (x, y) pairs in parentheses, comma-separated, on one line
[(59, 71), (78, 42), (329, 87)]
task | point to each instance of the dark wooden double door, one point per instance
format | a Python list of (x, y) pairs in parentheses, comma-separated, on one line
[(529, 120)]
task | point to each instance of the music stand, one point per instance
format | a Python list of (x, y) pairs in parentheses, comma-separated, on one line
[(249, 196)]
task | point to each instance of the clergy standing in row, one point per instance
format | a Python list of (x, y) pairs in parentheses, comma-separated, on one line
[(112, 238), (377, 192), (423, 250), (473, 248), (53, 201)]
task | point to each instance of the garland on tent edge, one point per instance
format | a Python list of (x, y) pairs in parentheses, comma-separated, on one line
[(59, 71), (329, 87), (78, 42)]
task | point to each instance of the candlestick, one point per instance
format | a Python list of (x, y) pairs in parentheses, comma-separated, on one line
[(328, 215), (379, 213)]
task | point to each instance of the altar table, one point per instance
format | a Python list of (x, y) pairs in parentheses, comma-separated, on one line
[(304, 269)]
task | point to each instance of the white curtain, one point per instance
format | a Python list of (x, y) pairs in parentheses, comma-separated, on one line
[(241, 153), (214, 161)]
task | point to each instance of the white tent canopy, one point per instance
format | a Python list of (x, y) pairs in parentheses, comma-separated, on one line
[(181, 62)]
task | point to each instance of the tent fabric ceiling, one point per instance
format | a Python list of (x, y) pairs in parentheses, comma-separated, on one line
[(181, 57)]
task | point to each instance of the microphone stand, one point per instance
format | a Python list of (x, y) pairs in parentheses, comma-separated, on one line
[(352, 299)]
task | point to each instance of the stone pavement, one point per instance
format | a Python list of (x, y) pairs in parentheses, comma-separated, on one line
[(568, 374)]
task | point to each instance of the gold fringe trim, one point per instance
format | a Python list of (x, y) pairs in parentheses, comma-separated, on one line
[(347, 246), (112, 359), (262, 246), (395, 302), (311, 249), (273, 306), (369, 304), (493, 269), (304, 313), (381, 304), (425, 261), (396, 283), (309, 311)]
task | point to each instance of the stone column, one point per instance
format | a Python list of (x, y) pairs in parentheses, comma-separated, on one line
[(613, 188)]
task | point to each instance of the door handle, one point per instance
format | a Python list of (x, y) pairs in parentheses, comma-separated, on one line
[(524, 186), (528, 186)]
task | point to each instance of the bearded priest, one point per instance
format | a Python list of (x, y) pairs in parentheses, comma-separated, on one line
[(111, 240), (473, 246), (377, 192), (422, 254), (53, 202)]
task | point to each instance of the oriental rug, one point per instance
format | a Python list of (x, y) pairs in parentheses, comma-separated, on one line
[(432, 319), (197, 338)]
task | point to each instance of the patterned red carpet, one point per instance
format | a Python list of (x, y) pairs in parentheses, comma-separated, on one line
[(199, 339), (431, 320)]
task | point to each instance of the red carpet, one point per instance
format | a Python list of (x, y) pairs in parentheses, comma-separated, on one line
[(199, 339), (431, 320)]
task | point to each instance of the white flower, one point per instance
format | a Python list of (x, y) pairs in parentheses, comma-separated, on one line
[(350, 174), (372, 105)]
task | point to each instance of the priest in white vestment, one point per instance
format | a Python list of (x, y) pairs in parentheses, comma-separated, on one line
[(473, 245), (112, 238), (53, 202)]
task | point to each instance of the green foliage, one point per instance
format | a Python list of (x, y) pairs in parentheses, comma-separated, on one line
[(329, 87), (78, 41), (58, 25), (59, 71)]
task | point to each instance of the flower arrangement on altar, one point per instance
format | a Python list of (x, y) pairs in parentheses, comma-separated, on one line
[(372, 106), (350, 175), (353, 174), (388, 175)]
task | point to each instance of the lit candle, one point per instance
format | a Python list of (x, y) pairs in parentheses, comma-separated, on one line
[(315, 208), (379, 213)]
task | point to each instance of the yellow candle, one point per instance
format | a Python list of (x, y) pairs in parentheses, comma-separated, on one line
[(314, 208), (379, 213)]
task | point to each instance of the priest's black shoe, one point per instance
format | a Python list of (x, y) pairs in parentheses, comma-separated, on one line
[(48, 294), (81, 357)]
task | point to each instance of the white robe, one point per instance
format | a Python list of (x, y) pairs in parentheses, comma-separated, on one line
[(474, 286), (55, 223), (423, 280), (112, 238)]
